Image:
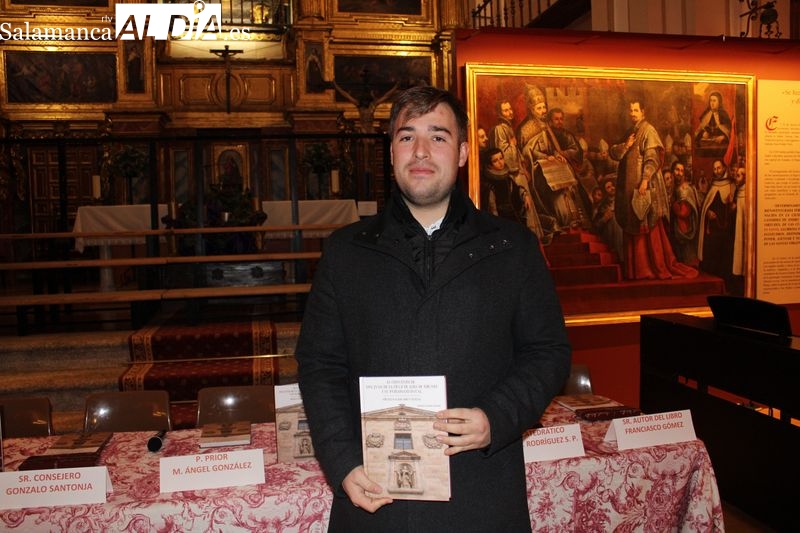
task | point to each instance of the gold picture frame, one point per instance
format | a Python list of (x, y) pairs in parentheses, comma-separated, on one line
[(231, 165), (39, 81), (381, 14), (595, 107)]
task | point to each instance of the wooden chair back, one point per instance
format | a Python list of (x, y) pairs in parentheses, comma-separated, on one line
[(227, 404), (579, 380), (128, 411), (27, 417)]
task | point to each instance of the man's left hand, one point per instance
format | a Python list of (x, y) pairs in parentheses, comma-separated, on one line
[(467, 428)]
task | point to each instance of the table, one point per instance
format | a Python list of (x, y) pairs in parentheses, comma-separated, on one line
[(671, 487), (294, 498), (279, 213), (105, 218), (660, 488)]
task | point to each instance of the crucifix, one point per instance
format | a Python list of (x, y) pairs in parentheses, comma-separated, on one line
[(226, 54)]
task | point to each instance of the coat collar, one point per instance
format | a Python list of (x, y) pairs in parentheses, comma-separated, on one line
[(396, 219), (478, 236)]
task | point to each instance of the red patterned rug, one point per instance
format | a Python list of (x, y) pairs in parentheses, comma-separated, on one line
[(182, 359), (212, 339)]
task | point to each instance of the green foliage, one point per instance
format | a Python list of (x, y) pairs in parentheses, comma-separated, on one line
[(128, 162), (318, 158)]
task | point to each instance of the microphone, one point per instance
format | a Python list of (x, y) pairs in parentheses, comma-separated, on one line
[(155, 442)]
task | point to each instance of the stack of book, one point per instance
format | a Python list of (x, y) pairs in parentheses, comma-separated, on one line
[(75, 450), (591, 407), (233, 434)]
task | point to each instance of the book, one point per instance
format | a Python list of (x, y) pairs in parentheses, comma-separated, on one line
[(574, 402), (218, 434), (73, 450), (399, 445), (77, 443), (291, 426), (592, 407)]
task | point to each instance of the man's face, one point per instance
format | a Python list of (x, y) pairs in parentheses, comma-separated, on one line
[(667, 179), (506, 111), (740, 175), (557, 121), (679, 173), (498, 162), (540, 110), (483, 139), (610, 188), (713, 102), (636, 112), (426, 154), (718, 169)]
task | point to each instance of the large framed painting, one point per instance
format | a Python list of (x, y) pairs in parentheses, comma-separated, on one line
[(639, 184), (73, 77)]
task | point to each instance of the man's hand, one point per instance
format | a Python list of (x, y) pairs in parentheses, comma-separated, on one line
[(468, 429), (356, 484)]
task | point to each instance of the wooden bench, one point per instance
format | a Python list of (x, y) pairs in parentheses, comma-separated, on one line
[(24, 302)]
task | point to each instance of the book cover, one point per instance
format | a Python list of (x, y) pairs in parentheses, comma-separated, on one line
[(233, 434), (573, 402), (399, 444), (294, 438), (73, 450), (592, 407), (77, 443)]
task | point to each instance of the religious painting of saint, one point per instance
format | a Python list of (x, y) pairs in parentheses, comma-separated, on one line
[(630, 179), (231, 167), (60, 77)]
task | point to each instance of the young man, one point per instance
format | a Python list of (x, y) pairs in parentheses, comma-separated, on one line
[(432, 286)]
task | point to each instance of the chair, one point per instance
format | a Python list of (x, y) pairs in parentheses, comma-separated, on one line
[(254, 403), (128, 411), (27, 417), (579, 381)]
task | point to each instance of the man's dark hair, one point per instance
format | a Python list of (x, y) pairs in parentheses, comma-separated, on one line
[(553, 111), (486, 159), (499, 104), (421, 100)]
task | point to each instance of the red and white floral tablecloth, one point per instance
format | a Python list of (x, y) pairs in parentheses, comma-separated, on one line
[(664, 488), (661, 488)]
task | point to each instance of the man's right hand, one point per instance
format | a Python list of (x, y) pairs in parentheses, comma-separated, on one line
[(356, 484)]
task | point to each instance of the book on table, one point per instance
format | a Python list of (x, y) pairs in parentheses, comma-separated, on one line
[(400, 449), (291, 425), (216, 434), (593, 407), (72, 450)]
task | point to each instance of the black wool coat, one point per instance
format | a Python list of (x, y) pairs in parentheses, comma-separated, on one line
[(487, 318)]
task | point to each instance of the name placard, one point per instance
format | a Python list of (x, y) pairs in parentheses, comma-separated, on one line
[(651, 430), (212, 470), (48, 488), (554, 442)]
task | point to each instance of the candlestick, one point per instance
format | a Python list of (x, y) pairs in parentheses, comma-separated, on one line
[(335, 181), (96, 186)]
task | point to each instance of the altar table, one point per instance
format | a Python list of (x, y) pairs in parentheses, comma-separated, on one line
[(108, 218), (660, 488), (279, 213)]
